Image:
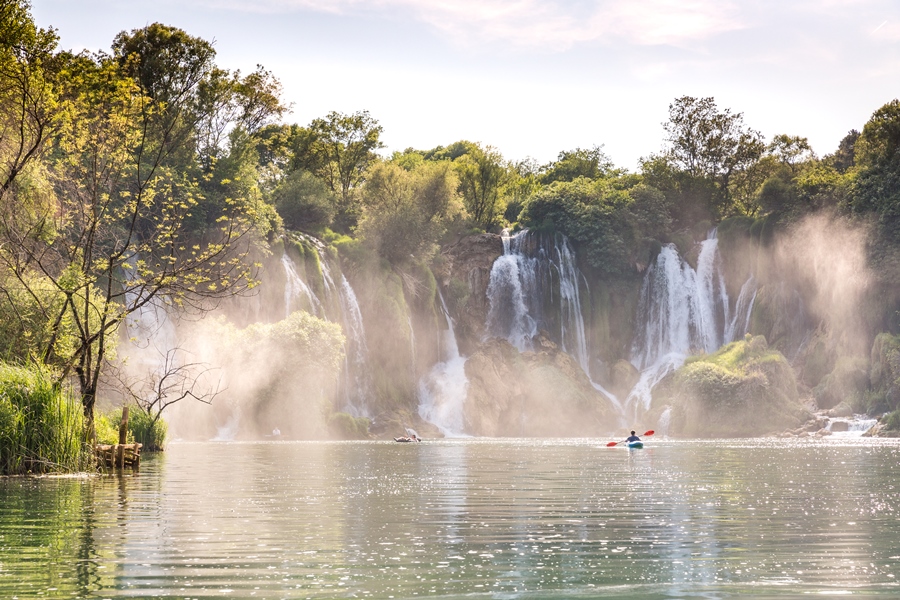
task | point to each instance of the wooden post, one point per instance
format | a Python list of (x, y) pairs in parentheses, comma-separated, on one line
[(123, 426), (123, 437)]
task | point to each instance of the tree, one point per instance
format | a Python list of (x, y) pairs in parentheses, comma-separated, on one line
[(114, 238), (339, 148), (304, 202), (523, 183), (482, 177), (613, 221), (407, 211), (791, 150), (226, 100), (845, 156), (571, 164), (710, 144), (877, 154), (28, 106), (175, 377)]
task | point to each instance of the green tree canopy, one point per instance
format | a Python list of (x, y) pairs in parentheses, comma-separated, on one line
[(613, 221), (339, 148), (877, 154), (407, 211), (572, 164), (711, 147)]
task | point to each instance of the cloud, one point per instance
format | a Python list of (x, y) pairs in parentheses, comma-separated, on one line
[(538, 24)]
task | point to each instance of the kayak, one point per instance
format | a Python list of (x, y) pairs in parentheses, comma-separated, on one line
[(635, 444)]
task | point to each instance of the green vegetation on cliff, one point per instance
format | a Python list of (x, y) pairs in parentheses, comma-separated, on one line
[(743, 389)]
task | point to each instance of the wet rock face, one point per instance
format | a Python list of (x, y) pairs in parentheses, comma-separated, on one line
[(532, 394), (623, 377), (464, 276)]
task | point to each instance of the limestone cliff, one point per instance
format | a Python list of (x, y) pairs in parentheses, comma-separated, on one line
[(464, 272), (532, 394)]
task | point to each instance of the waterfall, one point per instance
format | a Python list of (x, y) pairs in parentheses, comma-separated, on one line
[(295, 287), (339, 304), (514, 294), (740, 323), (684, 311), (357, 381), (442, 392), (530, 267), (532, 272)]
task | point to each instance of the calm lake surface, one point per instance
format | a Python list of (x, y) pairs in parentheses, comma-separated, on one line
[(465, 518)]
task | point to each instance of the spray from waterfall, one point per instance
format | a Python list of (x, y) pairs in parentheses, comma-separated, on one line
[(151, 332), (443, 390), (340, 304)]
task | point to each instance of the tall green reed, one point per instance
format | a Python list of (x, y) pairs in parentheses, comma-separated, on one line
[(41, 424)]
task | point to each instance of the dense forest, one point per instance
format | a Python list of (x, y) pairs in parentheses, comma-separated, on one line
[(151, 175)]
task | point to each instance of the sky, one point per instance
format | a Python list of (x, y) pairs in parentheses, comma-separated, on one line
[(532, 78)]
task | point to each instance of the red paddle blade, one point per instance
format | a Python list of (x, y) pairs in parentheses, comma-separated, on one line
[(611, 444), (651, 432)]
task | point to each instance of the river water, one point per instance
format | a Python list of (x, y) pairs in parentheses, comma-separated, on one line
[(465, 518)]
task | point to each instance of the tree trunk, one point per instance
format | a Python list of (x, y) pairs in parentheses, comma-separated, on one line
[(88, 398)]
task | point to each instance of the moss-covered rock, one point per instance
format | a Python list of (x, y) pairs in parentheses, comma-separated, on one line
[(623, 376), (884, 374), (344, 426), (532, 394), (846, 383), (744, 389)]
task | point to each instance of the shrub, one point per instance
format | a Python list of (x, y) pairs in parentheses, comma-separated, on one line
[(141, 429), (146, 431)]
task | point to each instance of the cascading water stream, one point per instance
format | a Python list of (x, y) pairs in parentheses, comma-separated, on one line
[(357, 381), (339, 304), (683, 311), (442, 392), (530, 266), (295, 287), (514, 294)]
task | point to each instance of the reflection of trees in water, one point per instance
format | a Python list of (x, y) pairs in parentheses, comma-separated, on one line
[(47, 523), (86, 565)]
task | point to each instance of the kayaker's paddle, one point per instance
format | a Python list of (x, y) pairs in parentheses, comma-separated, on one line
[(646, 433)]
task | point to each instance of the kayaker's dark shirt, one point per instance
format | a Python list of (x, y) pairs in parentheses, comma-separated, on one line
[(633, 438)]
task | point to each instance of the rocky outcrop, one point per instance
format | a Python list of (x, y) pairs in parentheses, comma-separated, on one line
[(532, 394), (884, 372), (623, 376), (464, 274), (744, 389)]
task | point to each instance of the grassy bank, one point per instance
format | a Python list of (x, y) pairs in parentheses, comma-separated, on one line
[(41, 424)]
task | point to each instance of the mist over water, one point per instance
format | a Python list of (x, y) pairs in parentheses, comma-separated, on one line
[(443, 390), (815, 273)]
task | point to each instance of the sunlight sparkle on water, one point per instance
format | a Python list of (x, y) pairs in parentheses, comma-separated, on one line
[(492, 518)]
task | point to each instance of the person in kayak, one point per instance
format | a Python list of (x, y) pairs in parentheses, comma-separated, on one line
[(633, 438)]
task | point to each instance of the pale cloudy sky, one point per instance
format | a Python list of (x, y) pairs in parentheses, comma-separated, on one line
[(534, 77)]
